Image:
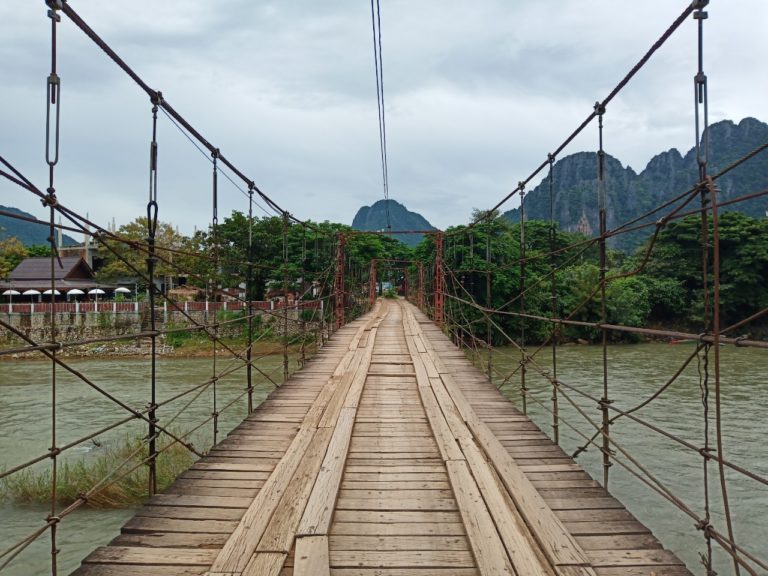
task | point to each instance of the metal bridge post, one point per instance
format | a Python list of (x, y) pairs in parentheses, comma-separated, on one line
[(216, 287), (53, 102), (285, 297), (553, 298), (338, 287), (601, 202), (439, 278), (151, 260), (249, 302), (420, 289), (372, 284), (523, 359), (488, 302)]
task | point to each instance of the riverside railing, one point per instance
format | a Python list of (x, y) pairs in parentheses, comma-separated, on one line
[(115, 307)]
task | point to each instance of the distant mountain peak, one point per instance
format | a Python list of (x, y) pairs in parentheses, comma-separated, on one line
[(667, 175), (374, 218)]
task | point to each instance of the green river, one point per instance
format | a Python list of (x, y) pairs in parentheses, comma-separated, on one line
[(636, 371)]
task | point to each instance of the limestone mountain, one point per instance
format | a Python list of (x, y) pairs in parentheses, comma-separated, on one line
[(375, 218), (667, 175), (28, 233)]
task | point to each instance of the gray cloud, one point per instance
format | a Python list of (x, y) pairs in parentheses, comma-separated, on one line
[(477, 94)]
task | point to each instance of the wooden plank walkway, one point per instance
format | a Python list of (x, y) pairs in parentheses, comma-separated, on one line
[(387, 455)]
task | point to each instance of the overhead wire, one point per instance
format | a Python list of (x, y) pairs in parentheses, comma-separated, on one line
[(379, 67)]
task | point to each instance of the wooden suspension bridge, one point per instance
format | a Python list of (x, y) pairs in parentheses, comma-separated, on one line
[(388, 454)]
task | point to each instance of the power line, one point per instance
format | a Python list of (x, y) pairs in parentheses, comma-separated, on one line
[(379, 65)]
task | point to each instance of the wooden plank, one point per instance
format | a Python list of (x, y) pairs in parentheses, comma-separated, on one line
[(410, 559), (407, 485), (235, 554), (233, 466), (382, 475), (217, 475), (319, 510), (643, 571), (380, 542), (618, 558), (558, 544), (279, 534), (263, 564), (452, 417), (356, 388), (429, 571), (156, 556), (398, 529), (171, 540), (396, 494), (312, 558), (618, 542), (185, 513), (594, 515), (393, 458), (398, 516), (146, 524), (486, 544), (449, 450), (389, 504), (601, 528), (514, 533), (128, 570), (583, 503), (421, 468), (336, 403), (197, 500)]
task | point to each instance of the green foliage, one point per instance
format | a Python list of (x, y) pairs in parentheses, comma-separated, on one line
[(39, 251), (660, 285), (128, 258), (309, 315), (12, 252), (390, 293), (177, 335), (674, 273), (628, 303)]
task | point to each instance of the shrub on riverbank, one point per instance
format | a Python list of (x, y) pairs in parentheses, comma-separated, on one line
[(33, 486)]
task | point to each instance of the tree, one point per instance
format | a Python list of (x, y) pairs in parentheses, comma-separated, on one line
[(674, 274), (12, 252), (129, 256)]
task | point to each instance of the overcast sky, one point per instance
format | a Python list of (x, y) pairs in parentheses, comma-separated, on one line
[(476, 95)]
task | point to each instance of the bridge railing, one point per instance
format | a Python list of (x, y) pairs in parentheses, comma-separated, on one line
[(251, 343), (521, 297)]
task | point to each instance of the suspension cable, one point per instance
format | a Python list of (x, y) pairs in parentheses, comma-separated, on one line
[(379, 66)]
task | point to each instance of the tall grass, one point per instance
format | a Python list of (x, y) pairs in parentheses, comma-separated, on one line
[(33, 486)]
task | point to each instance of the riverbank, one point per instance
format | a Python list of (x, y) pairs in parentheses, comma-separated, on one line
[(189, 349)]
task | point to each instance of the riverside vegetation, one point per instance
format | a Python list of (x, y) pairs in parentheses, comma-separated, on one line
[(119, 471)]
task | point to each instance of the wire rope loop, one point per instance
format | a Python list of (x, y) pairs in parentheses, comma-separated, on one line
[(52, 521), (152, 218), (53, 101)]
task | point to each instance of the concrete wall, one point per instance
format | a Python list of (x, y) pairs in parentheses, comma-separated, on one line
[(73, 327)]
